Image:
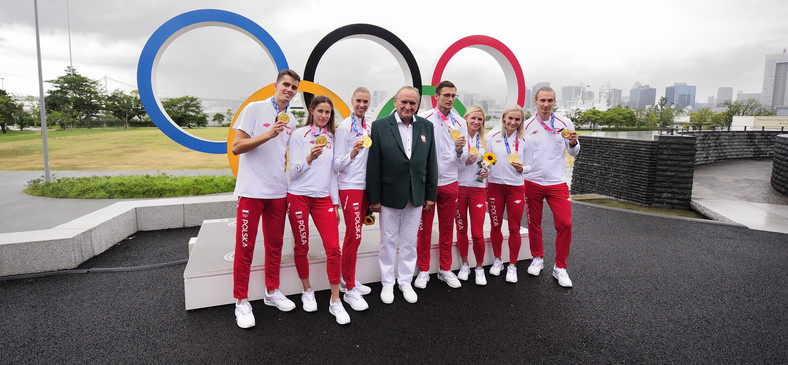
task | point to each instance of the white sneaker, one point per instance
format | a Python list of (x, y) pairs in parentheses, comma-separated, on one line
[(562, 276), (308, 299), (449, 278), (243, 314), (387, 294), (408, 293), (363, 289), (496, 268), (537, 264), (465, 270), (511, 274), (356, 300), (339, 312), (278, 300), (421, 280), (480, 278)]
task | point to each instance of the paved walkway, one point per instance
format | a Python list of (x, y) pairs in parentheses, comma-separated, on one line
[(22, 212), (739, 191)]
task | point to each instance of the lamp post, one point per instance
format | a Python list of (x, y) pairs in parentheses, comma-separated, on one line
[(42, 101)]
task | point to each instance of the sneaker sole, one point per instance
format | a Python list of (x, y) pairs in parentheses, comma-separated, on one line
[(561, 285), (278, 307), (449, 284)]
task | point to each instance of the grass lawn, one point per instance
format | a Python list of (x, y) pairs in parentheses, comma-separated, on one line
[(108, 149)]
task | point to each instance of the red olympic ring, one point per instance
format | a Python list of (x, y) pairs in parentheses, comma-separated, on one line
[(495, 48)]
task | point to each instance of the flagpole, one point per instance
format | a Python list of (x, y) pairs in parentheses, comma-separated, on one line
[(41, 98)]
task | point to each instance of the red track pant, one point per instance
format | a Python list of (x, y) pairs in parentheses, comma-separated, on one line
[(447, 209), (473, 201), (247, 221), (354, 208), (501, 196), (558, 199), (322, 211)]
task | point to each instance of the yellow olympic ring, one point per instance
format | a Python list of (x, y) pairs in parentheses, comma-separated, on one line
[(267, 92)]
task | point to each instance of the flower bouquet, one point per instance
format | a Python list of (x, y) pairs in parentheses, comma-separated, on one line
[(369, 218), (488, 160)]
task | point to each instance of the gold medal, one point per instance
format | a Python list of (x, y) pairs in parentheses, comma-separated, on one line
[(366, 142), (455, 134), (513, 158), (565, 133), (321, 140), (283, 117), (474, 151)]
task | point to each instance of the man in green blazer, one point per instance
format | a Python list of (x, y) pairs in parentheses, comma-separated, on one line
[(402, 179)]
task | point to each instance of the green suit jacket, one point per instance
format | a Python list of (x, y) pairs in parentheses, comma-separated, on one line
[(392, 178)]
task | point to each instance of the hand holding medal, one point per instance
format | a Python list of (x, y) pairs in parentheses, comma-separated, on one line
[(366, 142), (321, 140)]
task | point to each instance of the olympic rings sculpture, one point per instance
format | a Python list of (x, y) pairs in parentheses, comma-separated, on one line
[(177, 26)]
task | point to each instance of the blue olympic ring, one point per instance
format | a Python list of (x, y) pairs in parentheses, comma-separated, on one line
[(163, 37)]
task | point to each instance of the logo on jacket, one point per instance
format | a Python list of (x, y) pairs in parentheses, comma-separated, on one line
[(298, 215), (518, 201), (267, 125), (423, 139)]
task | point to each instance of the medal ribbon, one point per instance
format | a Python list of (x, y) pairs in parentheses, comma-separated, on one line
[(552, 123), (453, 121), (516, 144), (318, 133), (477, 142), (276, 107), (355, 128)]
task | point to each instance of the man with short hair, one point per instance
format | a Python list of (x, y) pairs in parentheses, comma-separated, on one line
[(350, 162), (450, 130), (552, 136), (402, 178), (262, 132)]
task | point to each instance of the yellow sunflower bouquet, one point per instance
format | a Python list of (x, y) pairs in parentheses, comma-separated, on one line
[(488, 160)]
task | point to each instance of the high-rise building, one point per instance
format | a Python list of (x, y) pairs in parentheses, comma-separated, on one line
[(775, 81), (641, 96), (742, 96), (570, 96), (680, 95), (614, 98), (724, 94)]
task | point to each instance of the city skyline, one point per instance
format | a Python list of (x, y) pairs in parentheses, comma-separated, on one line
[(216, 62)]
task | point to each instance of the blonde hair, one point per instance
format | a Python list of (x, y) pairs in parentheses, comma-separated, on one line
[(511, 109), (473, 109)]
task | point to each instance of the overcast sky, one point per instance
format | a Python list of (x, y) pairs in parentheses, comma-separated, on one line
[(591, 42)]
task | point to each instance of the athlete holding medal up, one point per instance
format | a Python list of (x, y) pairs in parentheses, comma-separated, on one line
[(505, 187), (313, 192), (262, 132), (472, 197), (350, 162), (450, 130), (555, 137)]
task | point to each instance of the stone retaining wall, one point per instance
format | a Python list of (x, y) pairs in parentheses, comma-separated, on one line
[(653, 173), (715, 146), (780, 164)]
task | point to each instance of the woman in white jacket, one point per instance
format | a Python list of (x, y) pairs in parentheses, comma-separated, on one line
[(313, 191), (472, 196), (505, 186)]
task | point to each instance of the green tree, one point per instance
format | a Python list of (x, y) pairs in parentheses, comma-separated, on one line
[(218, 118), (749, 107), (229, 115), (300, 115), (619, 117), (76, 97), (186, 111), (590, 117), (125, 106), (701, 118), (11, 112)]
